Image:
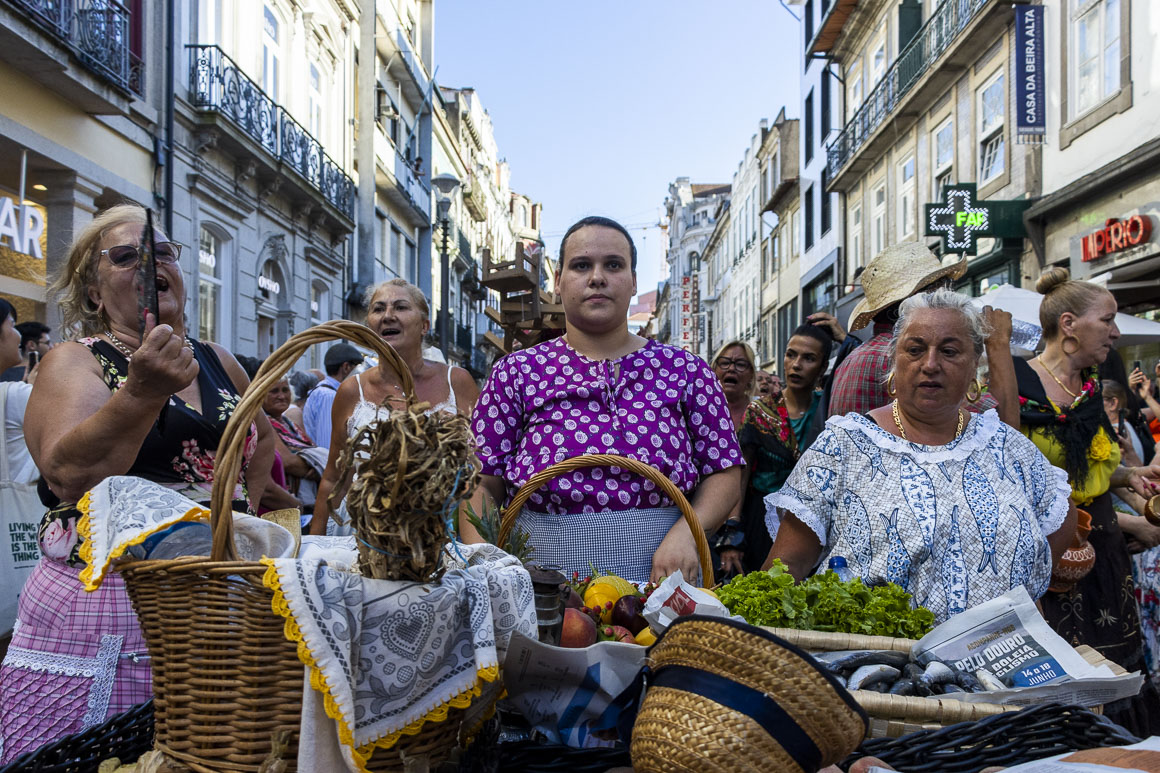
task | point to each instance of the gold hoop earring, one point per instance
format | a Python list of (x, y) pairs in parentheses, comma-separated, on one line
[(978, 391), (1063, 345), (890, 390)]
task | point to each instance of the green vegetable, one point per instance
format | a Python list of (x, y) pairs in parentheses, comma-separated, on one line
[(824, 603)]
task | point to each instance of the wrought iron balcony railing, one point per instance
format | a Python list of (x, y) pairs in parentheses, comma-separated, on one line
[(464, 338), (216, 83), (949, 19), (97, 32)]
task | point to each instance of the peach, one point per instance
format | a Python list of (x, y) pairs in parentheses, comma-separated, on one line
[(579, 630)]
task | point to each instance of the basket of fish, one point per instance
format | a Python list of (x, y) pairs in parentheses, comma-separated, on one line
[(902, 696)]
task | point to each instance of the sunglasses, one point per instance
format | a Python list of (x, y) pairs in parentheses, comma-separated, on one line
[(724, 363), (127, 255)]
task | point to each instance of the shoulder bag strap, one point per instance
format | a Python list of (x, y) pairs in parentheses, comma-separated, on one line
[(5, 473)]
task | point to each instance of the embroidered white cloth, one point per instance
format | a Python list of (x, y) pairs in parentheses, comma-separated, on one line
[(391, 656), (123, 511), (955, 525), (128, 515)]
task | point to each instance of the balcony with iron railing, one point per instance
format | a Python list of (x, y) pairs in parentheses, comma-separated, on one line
[(217, 85), (925, 67), (93, 32)]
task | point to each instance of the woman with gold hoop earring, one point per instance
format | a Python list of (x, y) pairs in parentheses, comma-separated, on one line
[(955, 507), (1062, 412)]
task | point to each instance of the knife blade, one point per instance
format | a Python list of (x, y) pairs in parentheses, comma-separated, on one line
[(147, 275)]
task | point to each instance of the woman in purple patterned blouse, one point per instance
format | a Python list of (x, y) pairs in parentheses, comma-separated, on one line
[(601, 389)]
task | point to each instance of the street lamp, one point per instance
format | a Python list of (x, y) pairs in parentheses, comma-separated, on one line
[(446, 185)]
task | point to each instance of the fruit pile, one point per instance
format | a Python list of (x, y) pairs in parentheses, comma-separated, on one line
[(605, 608)]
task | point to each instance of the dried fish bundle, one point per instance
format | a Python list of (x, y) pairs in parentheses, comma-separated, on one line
[(408, 473)]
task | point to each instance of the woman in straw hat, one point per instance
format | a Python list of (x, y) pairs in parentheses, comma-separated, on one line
[(601, 389), (113, 402), (956, 508), (1062, 413), (897, 273)]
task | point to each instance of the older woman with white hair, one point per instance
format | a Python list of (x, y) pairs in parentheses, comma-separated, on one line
[(956, 508)]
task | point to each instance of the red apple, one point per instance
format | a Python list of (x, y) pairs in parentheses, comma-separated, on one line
[(616, 633)]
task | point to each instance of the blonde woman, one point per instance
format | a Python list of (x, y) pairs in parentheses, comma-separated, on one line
[(397, 311), (76, 657), (736, 368)]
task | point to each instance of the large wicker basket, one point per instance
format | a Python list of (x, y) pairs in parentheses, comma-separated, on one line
[(225, 677), (666, 486)]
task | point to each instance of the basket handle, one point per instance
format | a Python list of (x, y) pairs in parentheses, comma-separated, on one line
[(667, 487), (232, 445)]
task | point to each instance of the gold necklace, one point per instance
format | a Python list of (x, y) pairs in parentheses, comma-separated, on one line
[(902, 431), (1051, 373), (125, 350)]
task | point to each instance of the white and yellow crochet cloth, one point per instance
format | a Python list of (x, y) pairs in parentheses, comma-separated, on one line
[(389, 657)]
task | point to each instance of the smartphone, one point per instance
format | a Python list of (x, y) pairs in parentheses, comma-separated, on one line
[(1137, 365), (33, 358)]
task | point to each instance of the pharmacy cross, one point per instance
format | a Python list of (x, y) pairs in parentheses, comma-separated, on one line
[(957, 221)]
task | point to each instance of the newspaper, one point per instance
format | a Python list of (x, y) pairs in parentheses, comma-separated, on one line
[(569, 694), (1009, 638), (676, 598)]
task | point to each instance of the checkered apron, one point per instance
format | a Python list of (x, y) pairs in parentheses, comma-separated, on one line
[(620, 542), (76, 659)]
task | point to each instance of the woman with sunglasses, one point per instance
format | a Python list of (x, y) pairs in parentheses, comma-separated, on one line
[(76, 657), (772, 437)]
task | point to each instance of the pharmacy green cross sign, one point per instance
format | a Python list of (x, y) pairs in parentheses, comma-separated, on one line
[(960, 219)]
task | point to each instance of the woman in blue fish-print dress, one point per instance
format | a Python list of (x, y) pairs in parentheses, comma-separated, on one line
[(956, 508)]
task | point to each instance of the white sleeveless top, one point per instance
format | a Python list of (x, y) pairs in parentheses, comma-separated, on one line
[(365, 411)]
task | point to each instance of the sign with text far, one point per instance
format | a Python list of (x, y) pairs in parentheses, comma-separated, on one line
[(961, 220)]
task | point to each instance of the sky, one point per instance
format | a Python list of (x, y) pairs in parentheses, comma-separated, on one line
[(598, 105)]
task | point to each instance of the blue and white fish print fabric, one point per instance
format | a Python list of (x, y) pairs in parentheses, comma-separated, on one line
[(956, 525)]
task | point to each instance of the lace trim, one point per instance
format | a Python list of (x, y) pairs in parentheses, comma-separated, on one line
[(102, 688), (978, 433), (1056, 511), (92, 575), (362, 754), (800, 510), (102, 669)]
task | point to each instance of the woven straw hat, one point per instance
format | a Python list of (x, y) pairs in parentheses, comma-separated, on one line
[(725, 697), (897, 273)]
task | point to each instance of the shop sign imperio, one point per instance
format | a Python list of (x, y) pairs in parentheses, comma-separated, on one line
[(1116, 236)]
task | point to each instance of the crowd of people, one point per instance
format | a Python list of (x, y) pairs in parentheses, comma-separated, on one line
[(904, 454)]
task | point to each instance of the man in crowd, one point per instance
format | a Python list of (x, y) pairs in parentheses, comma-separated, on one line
[(34, 337), (340, 361), (895, 274)]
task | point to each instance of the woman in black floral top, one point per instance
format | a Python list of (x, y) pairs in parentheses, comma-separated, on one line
[(111, 404)]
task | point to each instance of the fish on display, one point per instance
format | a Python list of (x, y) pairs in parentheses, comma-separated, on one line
[(997, 448), (867, 447), (897, 559), (857, 530), (1024, 550), (989, 680), (985, 505), (954, 568), (855, 659), (967, 681), (937, 672), (904, 686), (869, 676), (918, 492)]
